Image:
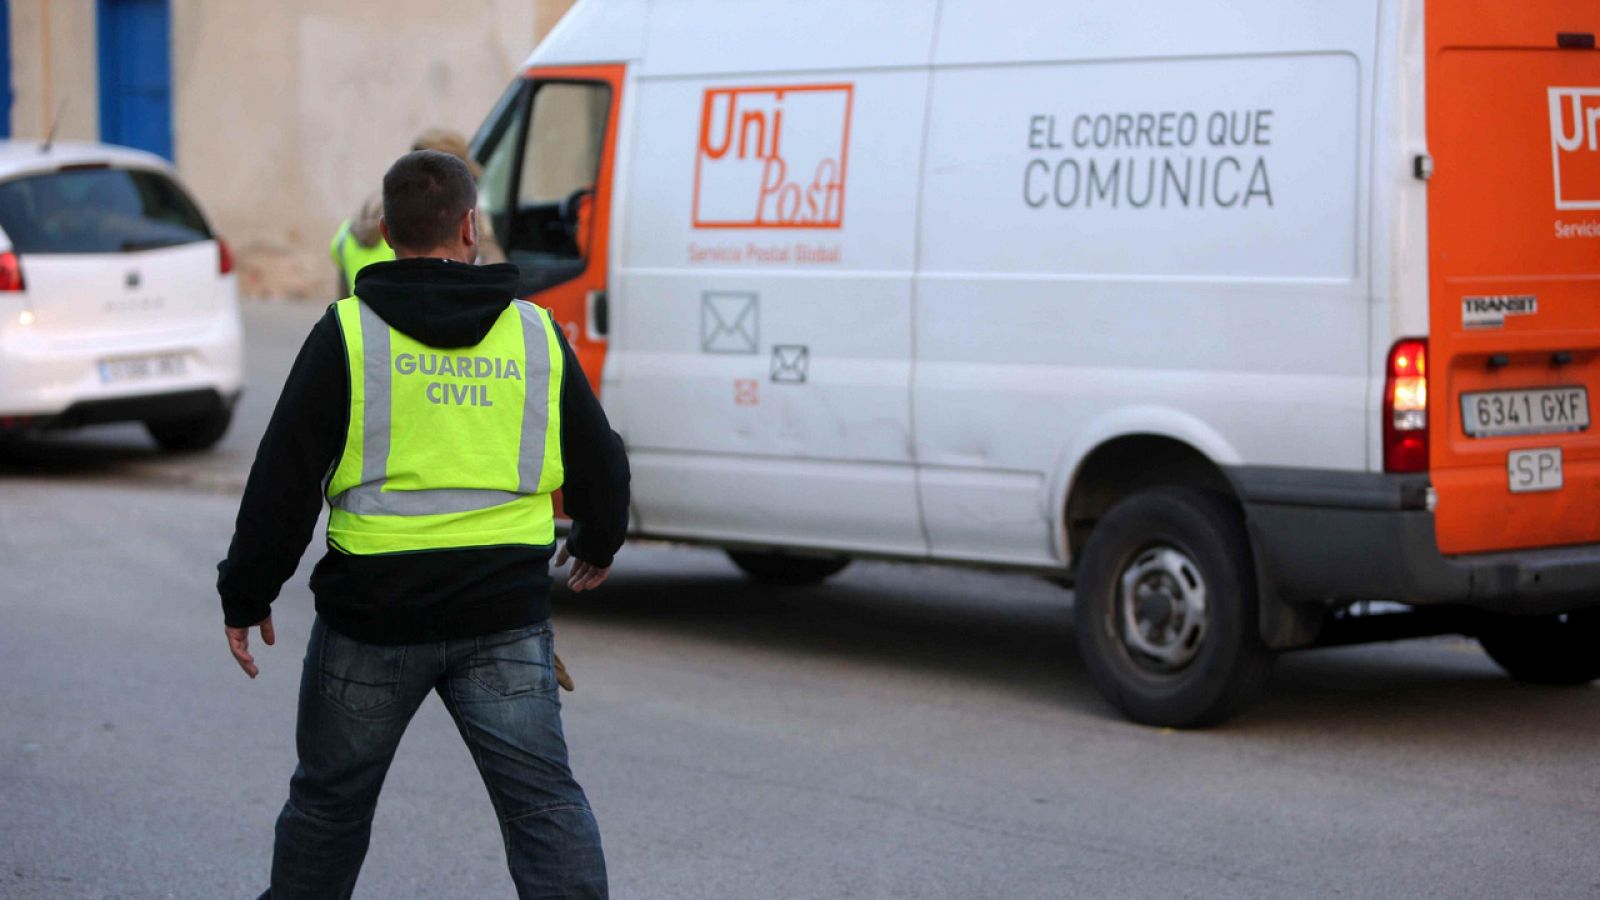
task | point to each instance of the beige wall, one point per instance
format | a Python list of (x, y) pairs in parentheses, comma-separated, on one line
[(286, 114), (53, 53)]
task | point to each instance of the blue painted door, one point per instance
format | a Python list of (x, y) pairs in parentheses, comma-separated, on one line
[(136, 74), (5, 69)]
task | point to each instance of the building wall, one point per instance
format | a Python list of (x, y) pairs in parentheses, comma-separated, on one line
[(286, 114), (53, 53)]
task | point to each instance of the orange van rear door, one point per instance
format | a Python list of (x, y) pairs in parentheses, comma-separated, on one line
[(1513, 94)]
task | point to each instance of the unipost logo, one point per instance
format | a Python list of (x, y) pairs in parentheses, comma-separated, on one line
[(772, 157), (1575, 146)]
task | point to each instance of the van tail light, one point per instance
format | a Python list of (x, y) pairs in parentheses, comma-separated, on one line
[(224, 257), (1405, 408), (10, 272)]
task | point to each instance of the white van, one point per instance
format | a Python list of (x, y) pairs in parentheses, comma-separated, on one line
[(1240, 314)]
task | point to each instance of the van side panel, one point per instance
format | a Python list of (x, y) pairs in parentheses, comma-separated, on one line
[(594, 32), (1175, 246), (1514, 260), (691, 37), (979, 32)]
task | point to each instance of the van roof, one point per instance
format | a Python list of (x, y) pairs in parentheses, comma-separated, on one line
[(696, 37), (595, 31)]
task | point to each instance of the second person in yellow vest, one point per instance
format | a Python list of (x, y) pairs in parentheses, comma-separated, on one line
[(357, 243)]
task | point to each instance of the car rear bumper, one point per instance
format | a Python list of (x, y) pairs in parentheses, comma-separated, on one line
[(142, 408), (1328, 539), (47, 382)]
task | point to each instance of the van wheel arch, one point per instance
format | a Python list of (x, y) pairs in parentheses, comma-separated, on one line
[(1123, 466)]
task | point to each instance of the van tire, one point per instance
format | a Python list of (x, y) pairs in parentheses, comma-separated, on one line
[(1545, 649), (1184, 553), (189, 433), (778, 568)]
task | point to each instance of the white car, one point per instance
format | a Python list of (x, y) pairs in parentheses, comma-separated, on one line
[(117, 301)]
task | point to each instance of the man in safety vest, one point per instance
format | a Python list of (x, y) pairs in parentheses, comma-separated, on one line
[(436, 414)]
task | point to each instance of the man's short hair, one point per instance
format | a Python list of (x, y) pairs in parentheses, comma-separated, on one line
[(425, 194)]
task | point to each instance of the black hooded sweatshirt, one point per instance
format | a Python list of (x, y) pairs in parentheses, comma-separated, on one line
[(412, 597)]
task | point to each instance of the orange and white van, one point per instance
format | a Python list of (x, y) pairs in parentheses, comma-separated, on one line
[(1271, 325)]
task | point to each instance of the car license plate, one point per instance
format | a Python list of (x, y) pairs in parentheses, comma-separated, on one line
[(1530, 411), (141, 368), (1534, 470)]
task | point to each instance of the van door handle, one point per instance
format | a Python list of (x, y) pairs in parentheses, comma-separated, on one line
[(598, 313)]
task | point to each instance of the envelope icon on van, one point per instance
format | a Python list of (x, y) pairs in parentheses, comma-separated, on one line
[(790, 363), (730, 322)]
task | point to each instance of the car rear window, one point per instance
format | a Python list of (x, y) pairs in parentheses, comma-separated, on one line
[(98, 210)]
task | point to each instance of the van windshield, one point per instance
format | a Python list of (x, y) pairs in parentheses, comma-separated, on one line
[(98, 210)]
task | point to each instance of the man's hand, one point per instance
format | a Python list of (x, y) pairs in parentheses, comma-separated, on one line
[(583, 576), (239, 644)]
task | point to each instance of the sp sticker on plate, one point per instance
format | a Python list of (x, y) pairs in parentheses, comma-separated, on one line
[(1491, 311), (1534, 470)]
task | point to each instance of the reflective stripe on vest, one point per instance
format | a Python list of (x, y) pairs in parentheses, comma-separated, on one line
[(351, 257), (448, 448)]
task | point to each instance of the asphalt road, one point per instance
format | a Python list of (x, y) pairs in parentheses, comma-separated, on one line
[(903, 731)]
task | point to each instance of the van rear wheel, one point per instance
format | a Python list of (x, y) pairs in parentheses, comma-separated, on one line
[(186, 433), (1563, 649), (778, 568), (1165, 610)]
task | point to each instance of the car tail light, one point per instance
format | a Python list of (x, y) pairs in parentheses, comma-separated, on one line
[(1405, 408), (224, 257), (10, 272)]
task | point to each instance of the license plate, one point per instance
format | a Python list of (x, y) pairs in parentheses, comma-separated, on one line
[(1534, 470), (1530, 411), (141, 368)]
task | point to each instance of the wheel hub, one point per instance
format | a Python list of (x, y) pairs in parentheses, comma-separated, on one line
[(1161, 605)]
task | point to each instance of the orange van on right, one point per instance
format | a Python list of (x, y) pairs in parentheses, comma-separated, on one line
[(1514, 263)]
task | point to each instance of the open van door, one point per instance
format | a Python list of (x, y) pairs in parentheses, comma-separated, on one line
[(1514, 268), (548, 151)]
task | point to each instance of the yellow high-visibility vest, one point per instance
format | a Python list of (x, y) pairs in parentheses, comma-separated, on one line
[(351, 257), (448, 447)]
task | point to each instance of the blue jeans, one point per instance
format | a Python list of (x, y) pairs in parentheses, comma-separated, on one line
[(355, 702)]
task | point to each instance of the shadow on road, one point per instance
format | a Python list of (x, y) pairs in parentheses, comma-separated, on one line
[(1435, 691), (863, 617), (973, 629), (122, 454), (96, 451)]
